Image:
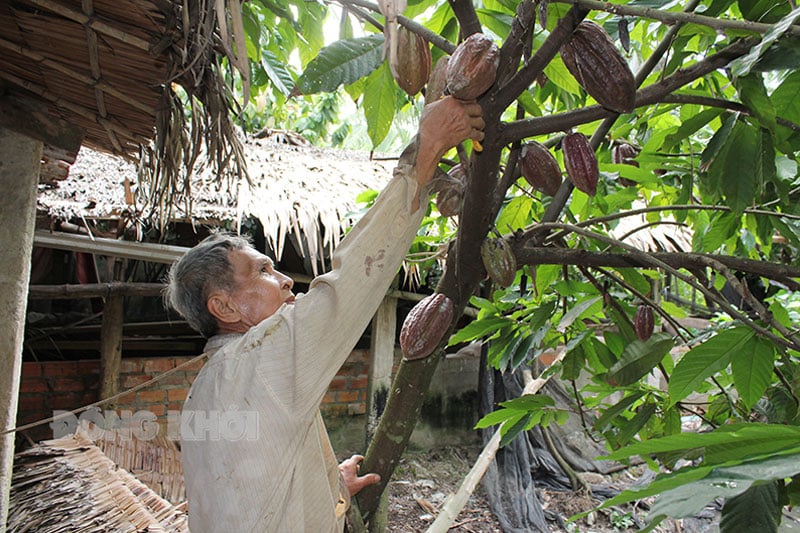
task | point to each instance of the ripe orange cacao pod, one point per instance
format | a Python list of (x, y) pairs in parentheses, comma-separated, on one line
[(644, 323), (437, 80), (581, 162), (412, 67), (499, 261), (473, 67), (425, 325), (593, 59), (539, 168)]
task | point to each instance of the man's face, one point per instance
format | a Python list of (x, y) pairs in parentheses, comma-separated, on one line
[(259, 289)]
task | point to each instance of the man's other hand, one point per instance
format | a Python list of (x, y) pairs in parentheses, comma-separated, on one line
[(349, 471)]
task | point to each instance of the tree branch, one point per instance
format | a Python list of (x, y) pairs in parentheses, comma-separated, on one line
[(550, 255), (650, 95), (673, 17), (467, 18), (724, 104)]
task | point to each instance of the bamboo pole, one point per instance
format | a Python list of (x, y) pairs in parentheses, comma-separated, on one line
[(455, 503), (94, 290), (111, 346)]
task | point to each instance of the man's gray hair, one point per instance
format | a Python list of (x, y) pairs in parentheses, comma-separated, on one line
[(202, 270)]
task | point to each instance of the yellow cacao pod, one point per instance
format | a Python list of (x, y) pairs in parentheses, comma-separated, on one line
[(499, 260)]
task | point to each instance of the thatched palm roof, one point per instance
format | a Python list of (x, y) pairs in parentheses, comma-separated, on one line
[(111, 68), (298, 191), (68, 484)]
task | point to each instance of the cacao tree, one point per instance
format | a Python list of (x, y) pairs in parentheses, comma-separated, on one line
[(701, 139)]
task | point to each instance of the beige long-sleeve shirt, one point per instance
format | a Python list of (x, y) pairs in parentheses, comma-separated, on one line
[(256, 456)]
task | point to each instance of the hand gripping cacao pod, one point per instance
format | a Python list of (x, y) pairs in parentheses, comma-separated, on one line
[(451, 191), (581, 163), (412, 66), (425, 325), (592, 58), (624, 154), (473, 67), (499, 261), (539, 168), (644, 323), (437, 82)]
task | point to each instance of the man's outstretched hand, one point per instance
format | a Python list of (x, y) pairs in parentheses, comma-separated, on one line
[(444, 124), (349, 471)]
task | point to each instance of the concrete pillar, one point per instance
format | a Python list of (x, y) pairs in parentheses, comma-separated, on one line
[(384, 328), (20, 157)]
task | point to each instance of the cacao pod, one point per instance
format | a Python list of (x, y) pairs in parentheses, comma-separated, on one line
[(624, 154), (499, 261), (437, 82), (473, 67), (581, 162), (644, 323), (425, 325), (592, 58), (412, 66), (539, 168), (451, 191)]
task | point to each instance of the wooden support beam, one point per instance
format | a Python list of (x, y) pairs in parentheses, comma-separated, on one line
[(19, 175), (94, 290), (33, 119)]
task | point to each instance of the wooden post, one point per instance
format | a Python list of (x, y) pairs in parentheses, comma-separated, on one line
[(111, 341), (111, 346), (384, 327), (20, 157)]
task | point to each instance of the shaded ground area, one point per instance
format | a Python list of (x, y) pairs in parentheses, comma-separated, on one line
[(425, 478)]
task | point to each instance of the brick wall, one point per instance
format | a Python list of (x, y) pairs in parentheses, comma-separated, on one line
[(65, 385)]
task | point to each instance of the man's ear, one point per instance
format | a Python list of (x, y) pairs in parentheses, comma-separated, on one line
[(219, 305)]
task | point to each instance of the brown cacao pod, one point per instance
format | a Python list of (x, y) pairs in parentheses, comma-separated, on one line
[(592, 58), (437, 82), (624, 154), (581, 162), (412, 67), (425, 325), (644, 323), (473, 67), (499, 261), (451, 191), (539, 168)]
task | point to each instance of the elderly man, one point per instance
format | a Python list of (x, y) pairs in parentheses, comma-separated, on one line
[(256, 455)]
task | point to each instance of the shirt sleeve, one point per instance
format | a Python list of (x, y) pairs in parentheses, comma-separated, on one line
[(325, 324)]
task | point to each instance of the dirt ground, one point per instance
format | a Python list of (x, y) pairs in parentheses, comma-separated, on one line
[(424, 479)]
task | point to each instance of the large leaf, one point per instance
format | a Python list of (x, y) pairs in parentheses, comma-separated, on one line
[(380, 101), (515, 215), (616, 409), (786, 100), (764, 439), (754, 95), (735, 168), (639, 358), (752, 369), (742, 65), (705, 360), (690, 126), (277, 73), (340, 63), (723, 482), (478, 329), (591, 304), (756, 509)]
